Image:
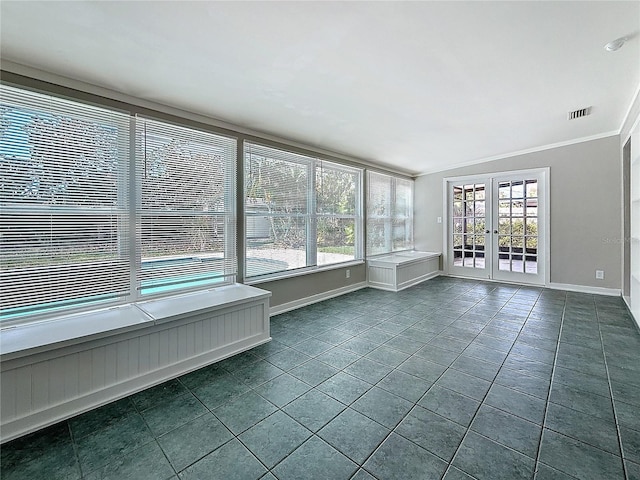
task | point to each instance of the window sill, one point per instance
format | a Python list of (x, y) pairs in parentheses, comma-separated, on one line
[(21, 340), (301, 272)]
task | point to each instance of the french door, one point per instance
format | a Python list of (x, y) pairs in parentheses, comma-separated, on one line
[(496, 227)]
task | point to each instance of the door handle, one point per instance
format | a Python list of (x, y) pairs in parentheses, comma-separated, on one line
[(487, 231), (495, 231)]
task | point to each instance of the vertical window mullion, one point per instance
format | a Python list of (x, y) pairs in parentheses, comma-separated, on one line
[(312, 215), (134, 218)]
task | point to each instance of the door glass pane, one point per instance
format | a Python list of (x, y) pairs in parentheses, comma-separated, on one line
[(457, 241), (504, 226), (532, 226), (517, 208), (531, 264), (457, 194), (468, 193), (480, 192), (504, 190), (468, 259), (532, 207), (479, 209), (457, 209), (504, 208), (480, 226), (532, 188), (457, 225), (517, 189)]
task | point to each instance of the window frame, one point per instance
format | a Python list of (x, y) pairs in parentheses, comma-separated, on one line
[(311, 164), (128, 194)]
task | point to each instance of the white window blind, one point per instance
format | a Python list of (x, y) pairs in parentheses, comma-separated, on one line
[(63, 204), (300, 212), (389, 213), (187, 215)]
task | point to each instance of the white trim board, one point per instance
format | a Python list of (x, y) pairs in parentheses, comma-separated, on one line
[(612, 292), (318, 297)]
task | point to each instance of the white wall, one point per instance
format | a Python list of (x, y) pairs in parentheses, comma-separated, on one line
[(585, 208)]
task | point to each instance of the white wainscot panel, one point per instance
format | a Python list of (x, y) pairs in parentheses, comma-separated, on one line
[(401, 270), (49, 383)]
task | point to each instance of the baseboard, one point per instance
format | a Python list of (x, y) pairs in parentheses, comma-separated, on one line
[(318, 297), (613, 292)]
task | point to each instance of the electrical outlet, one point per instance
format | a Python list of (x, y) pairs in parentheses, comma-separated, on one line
[(599, 274), (439, 219), (348, 273)]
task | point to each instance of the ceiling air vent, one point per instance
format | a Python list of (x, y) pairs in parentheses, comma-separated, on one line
[(582, 112)]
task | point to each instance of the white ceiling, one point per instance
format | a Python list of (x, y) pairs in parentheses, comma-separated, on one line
[(421, 86)]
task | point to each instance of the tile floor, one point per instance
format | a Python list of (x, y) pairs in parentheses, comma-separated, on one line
[(450, 379)]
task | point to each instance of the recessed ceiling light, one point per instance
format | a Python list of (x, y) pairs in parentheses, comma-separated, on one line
[(615, 45)]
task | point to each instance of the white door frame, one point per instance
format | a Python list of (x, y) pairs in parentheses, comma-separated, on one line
[(545, 174)]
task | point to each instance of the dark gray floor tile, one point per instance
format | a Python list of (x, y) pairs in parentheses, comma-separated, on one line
[(579, 459), (533, 353), (376, 335), (359, 346), (449, 343), (354, 434), (450, 404), (405, 344), (315, 459), (158, 394), (146, 462), (486, 459), (100, 447), (288, 359), (313, 372), (590, 367), (257, 373), (536, 386), (627, 415), (274, 438), (404, 385), (291, 337), (239, 361), (517, 403), (177, 411), (269, 348), (509, 430), (312, 347), (626, 392), (244, 412), (437, 355), (344, 387), (382, 406), (455, 474), (368, 370), (584, 402), (390, 327), (48, 454), (333, 336), (193, 440), (314, 409), (338, 358), (354, 328), (527, 366), (586, 428), (232, 461), (433, 432), (202, 376), (466, 384), (388, 356), (484, 353), (362, 475), (630, 444), (398, 458), (282, 390), (476, 367), (101, 417), (582, 381), (220, 391), (422, 368), (545, 472), (499, 344), (633, 470)]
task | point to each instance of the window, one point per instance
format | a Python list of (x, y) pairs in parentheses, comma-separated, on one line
[(85, 222), (389, 213), (301, 212), (187, 207)]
